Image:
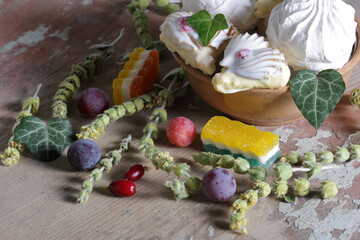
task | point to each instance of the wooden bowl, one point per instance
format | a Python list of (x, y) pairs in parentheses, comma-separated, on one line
[(266, 107)]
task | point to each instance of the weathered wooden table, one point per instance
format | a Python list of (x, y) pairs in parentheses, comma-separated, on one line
[(40, 40)]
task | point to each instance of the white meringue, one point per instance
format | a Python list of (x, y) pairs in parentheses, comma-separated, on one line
[(248, 63), (181, 38), (238, 12), (313, 34)]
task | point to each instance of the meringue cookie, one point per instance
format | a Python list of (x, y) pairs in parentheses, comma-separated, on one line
[(238, 12), (248, 63), (179, 37), (313, 34)]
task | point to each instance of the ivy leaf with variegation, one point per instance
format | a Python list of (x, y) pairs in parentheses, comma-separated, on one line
[(206, 26), (46, 141), (316, 95)]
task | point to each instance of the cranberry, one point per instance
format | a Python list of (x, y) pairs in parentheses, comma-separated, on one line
[(122, 188), (135, 172)]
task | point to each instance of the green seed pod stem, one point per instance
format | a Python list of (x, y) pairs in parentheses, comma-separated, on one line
[(79, 74), (193, 184), (315, 167), (178, 188), (11, 154), (281, 188), (238, 222), (329, 189), (309, 157), (241, 165), (283, 171), (240, 206), (326, 157), (302, 187), (342, 154), (355, 97), (354, 151), (293, 157), (226, 161), (181, 170), (105, 164), (163, 160), (96, 128), (263, 188), (136, 8), (257, 173)]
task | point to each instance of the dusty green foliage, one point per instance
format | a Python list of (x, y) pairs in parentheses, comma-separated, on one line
[(11, 155), (105, 164), (97, 128)]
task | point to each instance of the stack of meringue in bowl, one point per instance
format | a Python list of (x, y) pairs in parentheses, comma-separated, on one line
[(295, 27)]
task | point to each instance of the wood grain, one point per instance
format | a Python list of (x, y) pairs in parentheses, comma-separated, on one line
[(40, 40)]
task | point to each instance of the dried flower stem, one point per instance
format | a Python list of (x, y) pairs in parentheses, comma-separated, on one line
[(167, 5), (239, 165), (97, 127), (106, 164), (11, 155), (163, 160), (79, 74), (341, 154), (304, 169), (246, 201)]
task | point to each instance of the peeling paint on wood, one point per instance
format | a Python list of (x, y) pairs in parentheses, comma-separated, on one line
[(87, 2), (64, 35), (347, 221), (26, 40), (284, 133), (210, 231), (339, 218), (58, 53), (312, 144)]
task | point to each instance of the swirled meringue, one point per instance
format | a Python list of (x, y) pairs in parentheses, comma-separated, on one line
[(179, 37), (238, 12), (248, 63), (313, 34)]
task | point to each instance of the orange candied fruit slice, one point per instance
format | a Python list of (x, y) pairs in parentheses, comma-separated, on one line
[(137, 76)]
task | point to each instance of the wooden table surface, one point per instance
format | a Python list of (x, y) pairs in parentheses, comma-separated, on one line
[(39, 42)]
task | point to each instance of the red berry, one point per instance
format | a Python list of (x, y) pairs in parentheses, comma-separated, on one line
[(122, 188), (181, 131), (135, 172), (92, 102)]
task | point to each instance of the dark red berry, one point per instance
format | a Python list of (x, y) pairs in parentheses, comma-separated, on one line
[(122, 188), (135, 172), (92, 102)]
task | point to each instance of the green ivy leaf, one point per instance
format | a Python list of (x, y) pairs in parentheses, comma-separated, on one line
[(206, 26), (46, 141), (317, 95), (289, 198)]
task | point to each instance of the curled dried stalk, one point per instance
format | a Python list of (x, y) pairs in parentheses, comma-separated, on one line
[(137, 9), (313, 164), (167, 5), (11, 155), (246, 201), (105, 164), (249, 198), (79, 74), (97, 128), (239, 165), (163, 160), (355, 97)]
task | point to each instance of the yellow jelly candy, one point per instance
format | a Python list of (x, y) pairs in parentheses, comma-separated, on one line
[(223, 136)]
